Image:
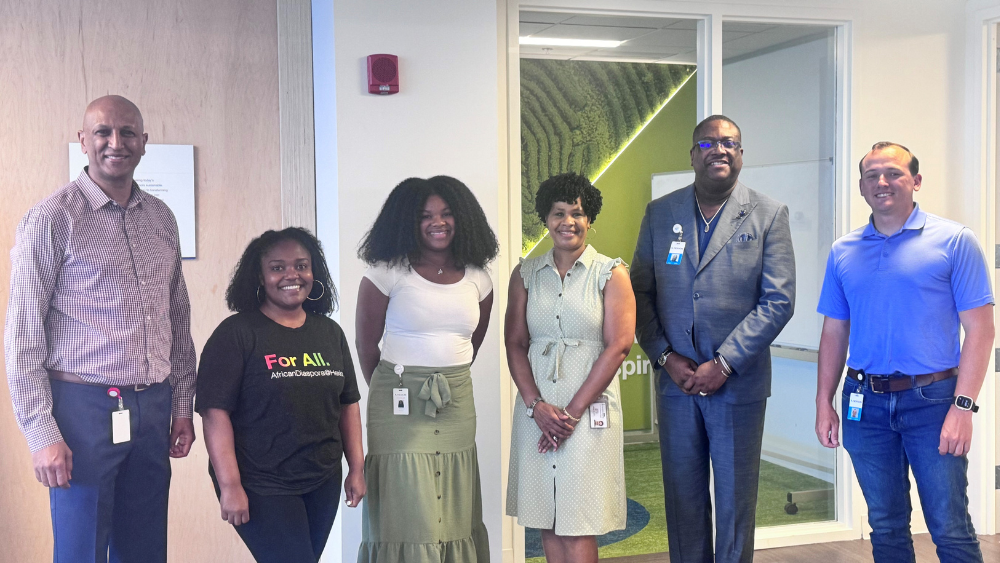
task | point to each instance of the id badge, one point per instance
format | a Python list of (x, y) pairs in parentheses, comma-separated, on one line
[(854, 406), (676, 252), (599, 413), (401, 401), (121, 429)]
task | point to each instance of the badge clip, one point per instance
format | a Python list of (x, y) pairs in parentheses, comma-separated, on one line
[(121, 428), (400, 395)]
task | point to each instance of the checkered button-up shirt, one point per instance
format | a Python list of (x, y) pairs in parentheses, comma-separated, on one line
[(96, 290)]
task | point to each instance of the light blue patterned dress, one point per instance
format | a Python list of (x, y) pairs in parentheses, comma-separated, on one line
[(578, 490)]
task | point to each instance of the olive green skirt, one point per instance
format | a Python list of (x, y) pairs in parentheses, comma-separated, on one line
[(424, 502)]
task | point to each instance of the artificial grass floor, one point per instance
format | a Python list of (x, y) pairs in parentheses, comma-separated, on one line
[(644, 484)]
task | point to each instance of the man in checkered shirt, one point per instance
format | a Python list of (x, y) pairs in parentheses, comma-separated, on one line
[(100, 361)]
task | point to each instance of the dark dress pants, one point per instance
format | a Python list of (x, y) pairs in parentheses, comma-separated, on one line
[(290, 528), (116, 506), (693, 431)]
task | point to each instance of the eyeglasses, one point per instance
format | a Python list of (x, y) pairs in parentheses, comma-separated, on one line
[(727, 144)]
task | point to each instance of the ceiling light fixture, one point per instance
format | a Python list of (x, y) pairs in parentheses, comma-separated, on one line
[(561, 42)]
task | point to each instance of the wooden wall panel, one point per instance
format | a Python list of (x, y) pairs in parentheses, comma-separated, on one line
[(203, 73)]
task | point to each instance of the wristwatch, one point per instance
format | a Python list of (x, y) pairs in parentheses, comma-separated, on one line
[(966, 403), (662, 360), (531, 408)]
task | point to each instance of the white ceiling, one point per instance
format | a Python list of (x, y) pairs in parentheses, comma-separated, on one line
[(651, 40)]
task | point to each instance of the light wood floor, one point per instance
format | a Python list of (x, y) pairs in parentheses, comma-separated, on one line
[(858, 551)]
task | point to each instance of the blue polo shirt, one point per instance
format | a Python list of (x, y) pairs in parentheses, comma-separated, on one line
[(903, 292)]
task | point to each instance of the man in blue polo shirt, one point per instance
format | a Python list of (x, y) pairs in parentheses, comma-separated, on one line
[(896, 292)]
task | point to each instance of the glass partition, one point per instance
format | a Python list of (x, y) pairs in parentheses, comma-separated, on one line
[(779, 85)]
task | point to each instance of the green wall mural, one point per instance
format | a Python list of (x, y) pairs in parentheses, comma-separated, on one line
[(578, 115), (661, 145)]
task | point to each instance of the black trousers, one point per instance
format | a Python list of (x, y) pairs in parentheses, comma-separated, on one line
[(291, 528)]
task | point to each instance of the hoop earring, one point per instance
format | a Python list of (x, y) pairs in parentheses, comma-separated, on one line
[(259, 298), (321, 293), (594, 229)]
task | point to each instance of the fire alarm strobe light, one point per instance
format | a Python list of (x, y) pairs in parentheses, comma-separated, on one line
[(383, 74)]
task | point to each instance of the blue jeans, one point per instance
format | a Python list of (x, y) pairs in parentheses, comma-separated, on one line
[(900, 431)]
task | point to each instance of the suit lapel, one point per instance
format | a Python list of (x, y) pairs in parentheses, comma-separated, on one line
[(683, 212), (735, 212)]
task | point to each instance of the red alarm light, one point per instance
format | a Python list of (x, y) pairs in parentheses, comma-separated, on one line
[(383, 74)]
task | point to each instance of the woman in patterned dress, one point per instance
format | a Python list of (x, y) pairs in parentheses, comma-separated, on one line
[(570, 324)]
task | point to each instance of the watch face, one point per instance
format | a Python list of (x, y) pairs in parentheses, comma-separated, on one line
[(964, 403)]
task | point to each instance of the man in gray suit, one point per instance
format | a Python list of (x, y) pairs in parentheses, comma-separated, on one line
[(714, 280)]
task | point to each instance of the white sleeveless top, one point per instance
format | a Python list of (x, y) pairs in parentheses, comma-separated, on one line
[(429, 324)]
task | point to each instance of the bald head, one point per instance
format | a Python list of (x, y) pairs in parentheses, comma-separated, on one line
[(111, 103), (114, 141)]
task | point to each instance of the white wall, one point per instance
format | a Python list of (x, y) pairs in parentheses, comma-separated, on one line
[(443, 121)]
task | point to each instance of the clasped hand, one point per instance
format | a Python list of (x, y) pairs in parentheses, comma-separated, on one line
[(556, 427), (692, 378)]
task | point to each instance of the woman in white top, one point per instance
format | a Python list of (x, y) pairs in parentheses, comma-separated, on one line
[(427, 291)]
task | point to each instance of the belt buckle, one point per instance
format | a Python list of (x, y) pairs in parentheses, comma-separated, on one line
[(876, 382), (141, 387)]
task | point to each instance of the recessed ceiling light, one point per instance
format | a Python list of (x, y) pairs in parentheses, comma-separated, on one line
[(561, 42)]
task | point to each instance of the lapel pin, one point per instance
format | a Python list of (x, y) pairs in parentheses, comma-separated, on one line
[(743, 212)]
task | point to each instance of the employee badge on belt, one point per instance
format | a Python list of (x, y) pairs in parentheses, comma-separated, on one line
[(400, 395), (854, 406), (121, 429)]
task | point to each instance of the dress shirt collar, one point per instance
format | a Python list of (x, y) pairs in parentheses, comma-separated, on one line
[(585, 259), (915, 222), (96, 196)]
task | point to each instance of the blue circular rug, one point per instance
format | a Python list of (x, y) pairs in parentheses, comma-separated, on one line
[(636, 519)]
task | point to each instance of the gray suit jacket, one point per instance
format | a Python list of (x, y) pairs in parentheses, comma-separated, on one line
[(734, 300)]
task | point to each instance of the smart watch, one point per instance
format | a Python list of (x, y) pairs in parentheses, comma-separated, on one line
[(662, 360), (966, 403), (531, 408)]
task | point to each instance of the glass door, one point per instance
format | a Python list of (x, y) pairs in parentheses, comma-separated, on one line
[(779, 84)]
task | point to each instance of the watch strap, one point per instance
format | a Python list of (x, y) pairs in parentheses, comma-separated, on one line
[(662, 360), (530, 411), (968, 400)]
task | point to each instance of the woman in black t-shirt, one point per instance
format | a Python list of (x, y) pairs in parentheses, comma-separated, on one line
[(279, 401)]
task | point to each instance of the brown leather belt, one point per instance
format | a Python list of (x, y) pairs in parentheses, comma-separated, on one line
[(74, 378), (894, 383)]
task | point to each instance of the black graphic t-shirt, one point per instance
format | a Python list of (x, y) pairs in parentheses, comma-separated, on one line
[(283, 388)]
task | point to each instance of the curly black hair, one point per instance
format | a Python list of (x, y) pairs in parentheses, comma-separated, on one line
[(567, 188), (394, 236), (241, 295)]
